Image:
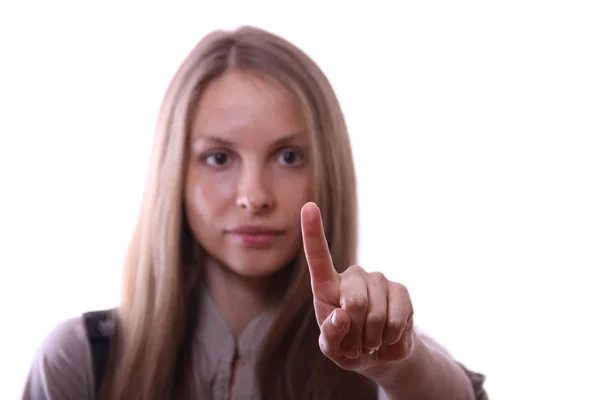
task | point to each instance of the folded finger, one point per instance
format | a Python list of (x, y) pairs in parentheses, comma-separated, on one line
[(354, 299), (399, 312), (377, 311), (333, 331)]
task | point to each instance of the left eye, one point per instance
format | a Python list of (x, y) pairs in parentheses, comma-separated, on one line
[(290, 157)]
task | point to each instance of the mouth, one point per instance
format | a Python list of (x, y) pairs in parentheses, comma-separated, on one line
[(255, 235)]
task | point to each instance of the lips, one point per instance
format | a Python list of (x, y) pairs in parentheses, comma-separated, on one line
[(256, 230), (255, 235)]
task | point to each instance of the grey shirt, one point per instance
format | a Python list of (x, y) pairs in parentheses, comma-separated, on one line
[(63, 370)]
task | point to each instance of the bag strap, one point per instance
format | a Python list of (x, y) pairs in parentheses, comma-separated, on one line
[(99, 326)]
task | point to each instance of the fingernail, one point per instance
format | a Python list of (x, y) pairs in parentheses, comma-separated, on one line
[(335, 320)]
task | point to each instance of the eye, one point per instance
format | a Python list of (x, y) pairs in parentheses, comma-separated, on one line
[(217, 159), (291, 157)]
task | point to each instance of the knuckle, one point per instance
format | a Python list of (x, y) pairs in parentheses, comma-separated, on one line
[(355, 269), (377, 280), (378, 276), (394, 325), (377, 320), (399, 289), (356, 303)]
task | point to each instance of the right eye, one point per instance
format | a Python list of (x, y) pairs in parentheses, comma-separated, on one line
[(217, 159)]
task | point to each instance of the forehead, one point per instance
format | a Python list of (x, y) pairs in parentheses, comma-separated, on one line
[(242, 106)]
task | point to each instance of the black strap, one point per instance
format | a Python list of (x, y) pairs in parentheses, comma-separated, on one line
[(99, 326)]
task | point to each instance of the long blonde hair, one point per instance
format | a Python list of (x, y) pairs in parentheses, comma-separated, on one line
[(158, 304)]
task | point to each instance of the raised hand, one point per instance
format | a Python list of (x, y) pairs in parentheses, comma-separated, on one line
[(366, 320)]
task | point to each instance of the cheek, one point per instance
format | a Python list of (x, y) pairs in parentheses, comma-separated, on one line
[(204, 197), (293, 192)]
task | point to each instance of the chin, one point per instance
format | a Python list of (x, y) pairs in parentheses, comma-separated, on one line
[(258, 270)]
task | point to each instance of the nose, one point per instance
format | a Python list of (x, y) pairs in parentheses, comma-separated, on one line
[(254, 193)]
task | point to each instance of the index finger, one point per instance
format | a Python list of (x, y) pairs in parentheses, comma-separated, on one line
[(316, 249)]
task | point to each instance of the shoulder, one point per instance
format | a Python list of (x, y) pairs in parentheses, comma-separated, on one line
[(62, 366)]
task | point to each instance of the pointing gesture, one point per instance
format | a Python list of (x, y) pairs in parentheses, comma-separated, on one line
[(365, 320)]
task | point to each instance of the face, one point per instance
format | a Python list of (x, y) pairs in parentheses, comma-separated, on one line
[(248, 174)]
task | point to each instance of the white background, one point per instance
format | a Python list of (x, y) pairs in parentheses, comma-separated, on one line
[(476, 131)]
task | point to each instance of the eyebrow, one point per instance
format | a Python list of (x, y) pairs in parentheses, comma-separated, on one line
[(224, 142)]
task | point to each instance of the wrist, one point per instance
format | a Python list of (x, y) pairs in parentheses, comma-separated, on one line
[(425, 374), (404, 370)]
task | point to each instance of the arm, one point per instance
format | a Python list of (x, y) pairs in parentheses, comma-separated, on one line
[(429, 373), (62, 367)]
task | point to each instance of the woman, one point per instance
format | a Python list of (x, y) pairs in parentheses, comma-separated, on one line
[(230, 288)]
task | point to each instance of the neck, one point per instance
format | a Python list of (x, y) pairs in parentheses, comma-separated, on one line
[(240, 298)]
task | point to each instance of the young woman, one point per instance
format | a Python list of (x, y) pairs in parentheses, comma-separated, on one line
[(236, 284)]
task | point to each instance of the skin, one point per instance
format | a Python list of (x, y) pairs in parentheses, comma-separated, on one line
[(366, 324), (365, 319), (249, 164)]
